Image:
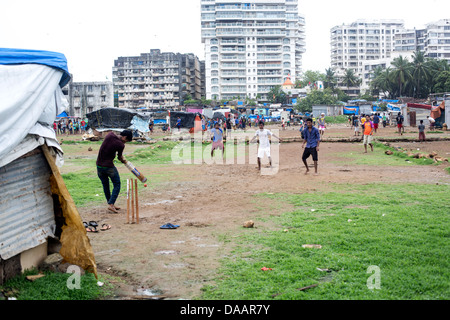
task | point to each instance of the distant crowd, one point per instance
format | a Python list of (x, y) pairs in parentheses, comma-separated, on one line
[(70, 126)]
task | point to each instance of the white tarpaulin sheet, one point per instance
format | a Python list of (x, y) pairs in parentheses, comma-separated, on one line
[(31, 98)]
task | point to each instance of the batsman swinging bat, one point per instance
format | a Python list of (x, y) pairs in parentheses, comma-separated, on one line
[(135, 171)]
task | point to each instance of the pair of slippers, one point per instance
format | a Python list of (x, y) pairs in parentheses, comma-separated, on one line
[(169, 226), (92, 226)]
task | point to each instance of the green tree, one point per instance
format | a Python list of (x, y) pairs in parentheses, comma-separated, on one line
[(402, 73), (383, 81), (350, 79), (316, 97), (421, 72), (442, 82), (330, 78), (276, 95), (309, 77), (436, 68)]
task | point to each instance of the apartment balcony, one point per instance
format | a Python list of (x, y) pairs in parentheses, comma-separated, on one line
[(269, 41), (270, 66), (233, 41), (230, 58), (232, 50), (271, 33)]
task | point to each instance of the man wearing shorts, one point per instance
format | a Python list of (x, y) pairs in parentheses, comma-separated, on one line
[(322, 124), (264, 143), (356, 124), (368, 132), (311, 137), (400, 123), (217, 139), (376, 121)]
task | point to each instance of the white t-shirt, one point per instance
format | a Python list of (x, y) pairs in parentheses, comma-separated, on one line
[(263, 136)]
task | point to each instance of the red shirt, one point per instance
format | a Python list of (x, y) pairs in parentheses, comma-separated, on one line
[(108, 149)]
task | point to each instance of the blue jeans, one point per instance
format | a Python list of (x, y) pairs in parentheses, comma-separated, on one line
[(109, 173)]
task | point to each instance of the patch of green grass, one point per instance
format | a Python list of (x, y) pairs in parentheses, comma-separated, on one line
[(155, 153), (403, 229), (448, 170), (53, 286), (435, 132), (85, 187), (336, 119), (379, 158), (403, 155)]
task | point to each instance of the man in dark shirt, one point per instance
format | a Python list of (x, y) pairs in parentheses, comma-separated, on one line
[(106, 170), (400, 127), (311, 138)]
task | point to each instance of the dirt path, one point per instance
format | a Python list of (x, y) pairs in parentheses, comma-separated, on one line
[(211, 203)]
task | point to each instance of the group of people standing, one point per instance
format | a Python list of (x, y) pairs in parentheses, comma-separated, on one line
[(68, 126)]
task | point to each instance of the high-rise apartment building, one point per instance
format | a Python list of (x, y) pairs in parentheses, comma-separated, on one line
[(433, 40), (250, 46), (157, 79), (353, 44)]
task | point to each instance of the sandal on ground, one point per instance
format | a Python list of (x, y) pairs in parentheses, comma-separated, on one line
[(169, 226), (90, 228), (93, 224), (105, 227)]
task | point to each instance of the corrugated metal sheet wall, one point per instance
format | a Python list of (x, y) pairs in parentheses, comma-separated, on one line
[(26, 205)]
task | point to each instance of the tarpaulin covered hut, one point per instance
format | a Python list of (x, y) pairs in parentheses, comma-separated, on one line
[(35, 204), (118, 119)]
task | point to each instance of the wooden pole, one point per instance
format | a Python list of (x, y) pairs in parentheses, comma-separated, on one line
[(128, 200), (137, 201), (132, 202)]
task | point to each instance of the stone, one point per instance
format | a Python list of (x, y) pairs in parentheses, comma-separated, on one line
[(249, 224), (51, 263)]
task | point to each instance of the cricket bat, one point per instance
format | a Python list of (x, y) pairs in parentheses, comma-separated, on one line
[(135, 171)]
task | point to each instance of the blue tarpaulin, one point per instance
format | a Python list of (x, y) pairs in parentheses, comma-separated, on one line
[(62, 115), (22, 56), (351, 110)]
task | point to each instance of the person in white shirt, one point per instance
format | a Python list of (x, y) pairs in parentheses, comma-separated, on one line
[(264, 143), (431, 121)]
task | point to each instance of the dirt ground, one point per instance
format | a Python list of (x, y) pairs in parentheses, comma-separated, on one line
[(211, 203)]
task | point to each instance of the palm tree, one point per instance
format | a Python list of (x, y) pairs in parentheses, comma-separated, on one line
[(402, 72), (350, 79), (383, 81), (421, 70), (436, 67), (330, 78), (374, 82)]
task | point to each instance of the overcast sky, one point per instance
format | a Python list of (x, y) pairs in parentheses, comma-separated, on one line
[(91, 34)]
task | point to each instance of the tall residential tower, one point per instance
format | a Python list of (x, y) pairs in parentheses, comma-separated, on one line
[(250, 46)]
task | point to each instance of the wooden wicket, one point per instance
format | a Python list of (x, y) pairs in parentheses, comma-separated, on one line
[(132, 201)]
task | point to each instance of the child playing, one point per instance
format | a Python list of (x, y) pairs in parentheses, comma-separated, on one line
[(421, 131), (217, 139), (264, 143)]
